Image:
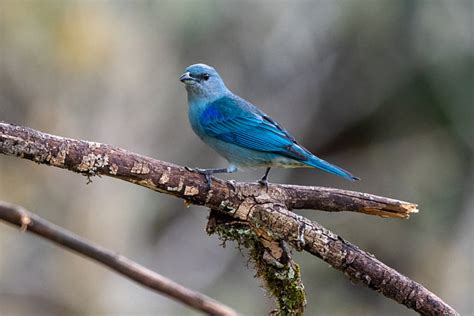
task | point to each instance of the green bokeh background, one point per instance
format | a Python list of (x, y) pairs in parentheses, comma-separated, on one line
[(382, 88)]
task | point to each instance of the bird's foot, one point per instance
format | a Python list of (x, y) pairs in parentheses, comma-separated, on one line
[(263, 183), (231, 184), (198, 170), (205, 172)]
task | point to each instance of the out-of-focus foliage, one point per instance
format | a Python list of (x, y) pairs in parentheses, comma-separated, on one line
[(382, 88)]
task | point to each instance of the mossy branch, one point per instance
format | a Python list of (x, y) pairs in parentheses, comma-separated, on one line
[(272, 261), (266, 212)]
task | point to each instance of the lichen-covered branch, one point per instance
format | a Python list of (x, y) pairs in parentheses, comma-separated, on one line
[(91, 158), (30, 222), (356, 264), (271, 259), (265, 211)]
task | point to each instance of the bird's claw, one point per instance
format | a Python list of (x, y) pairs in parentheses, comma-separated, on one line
[(231, 183), (208, 181), (198, 170), (205, 172), (263, 183)]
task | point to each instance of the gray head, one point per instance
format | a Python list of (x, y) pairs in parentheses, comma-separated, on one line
[(203, 81)]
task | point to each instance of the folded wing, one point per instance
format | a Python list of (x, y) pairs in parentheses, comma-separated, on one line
[(236, 121)]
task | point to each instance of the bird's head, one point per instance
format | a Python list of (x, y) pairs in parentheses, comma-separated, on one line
[(203, 81)]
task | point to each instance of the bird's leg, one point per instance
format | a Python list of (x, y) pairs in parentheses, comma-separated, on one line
[(209, 172), (263, 181)]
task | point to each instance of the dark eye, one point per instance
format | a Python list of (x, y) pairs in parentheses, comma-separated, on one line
[(205, 77)]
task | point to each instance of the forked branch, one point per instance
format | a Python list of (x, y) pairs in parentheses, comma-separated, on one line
[(267, 212)]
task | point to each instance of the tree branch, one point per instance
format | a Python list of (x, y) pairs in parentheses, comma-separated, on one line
[(337, 200), (91, 158), (265, 211), (27, 221)]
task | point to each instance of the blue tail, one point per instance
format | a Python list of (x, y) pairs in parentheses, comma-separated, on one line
[(326, 166)]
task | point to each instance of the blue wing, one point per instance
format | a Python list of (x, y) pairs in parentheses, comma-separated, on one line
[(236, 121)]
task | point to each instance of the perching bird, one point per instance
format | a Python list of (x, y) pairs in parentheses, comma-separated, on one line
[(239, 131)]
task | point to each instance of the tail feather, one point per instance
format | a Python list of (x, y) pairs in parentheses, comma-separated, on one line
[(326, 166)]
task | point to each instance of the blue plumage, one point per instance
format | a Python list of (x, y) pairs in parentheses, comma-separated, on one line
[(239, 131)]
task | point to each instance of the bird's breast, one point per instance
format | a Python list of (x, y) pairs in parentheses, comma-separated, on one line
[(195, 111)]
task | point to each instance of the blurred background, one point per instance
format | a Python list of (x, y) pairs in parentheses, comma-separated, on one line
[(381, 88)]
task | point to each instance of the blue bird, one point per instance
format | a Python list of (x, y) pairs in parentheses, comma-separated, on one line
[(239, 131)]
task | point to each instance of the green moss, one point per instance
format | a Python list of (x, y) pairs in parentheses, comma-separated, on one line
[(282, 281)]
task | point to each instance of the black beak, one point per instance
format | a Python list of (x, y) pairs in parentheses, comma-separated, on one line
[(186, 77)]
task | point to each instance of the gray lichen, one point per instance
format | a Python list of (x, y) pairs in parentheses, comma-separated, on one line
[(140, 168), (91, 162)]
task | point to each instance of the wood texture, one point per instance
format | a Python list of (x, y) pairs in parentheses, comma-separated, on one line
[(268, 210)]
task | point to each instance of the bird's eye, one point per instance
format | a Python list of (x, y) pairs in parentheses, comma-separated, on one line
[(205, 77)]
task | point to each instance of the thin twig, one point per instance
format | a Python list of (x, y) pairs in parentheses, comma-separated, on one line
[(30, 222)]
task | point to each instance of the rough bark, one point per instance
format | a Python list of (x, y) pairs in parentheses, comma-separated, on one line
[(91, 158), (264, 210)]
